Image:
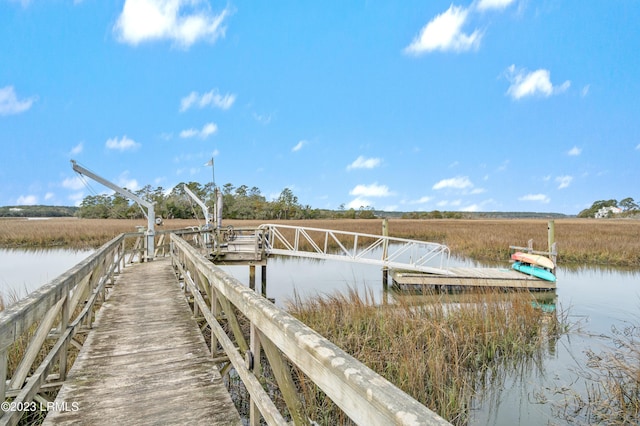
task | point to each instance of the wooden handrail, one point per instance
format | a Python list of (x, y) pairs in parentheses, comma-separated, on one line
[(362, 394), (57, 299)]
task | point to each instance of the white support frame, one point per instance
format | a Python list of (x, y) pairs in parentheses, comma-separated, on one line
[(422, 256)]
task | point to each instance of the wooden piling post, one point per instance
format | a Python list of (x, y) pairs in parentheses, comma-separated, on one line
[(252, 276), (263, 278), (551, 237), (551, 231), (385, 254)]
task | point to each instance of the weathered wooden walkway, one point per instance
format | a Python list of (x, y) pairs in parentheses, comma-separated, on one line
[(145, 361)]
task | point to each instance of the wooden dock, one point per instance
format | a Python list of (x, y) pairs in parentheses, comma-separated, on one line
[(466, 278), (145, 361)]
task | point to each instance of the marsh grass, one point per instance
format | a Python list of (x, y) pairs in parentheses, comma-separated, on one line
[(580, 241), (71, 232), (440, 353)]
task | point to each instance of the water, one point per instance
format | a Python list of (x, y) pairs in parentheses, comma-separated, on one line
[(22, 271), (596, 299)]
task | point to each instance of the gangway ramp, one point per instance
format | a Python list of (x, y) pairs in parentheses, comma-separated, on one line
[(384, 251)]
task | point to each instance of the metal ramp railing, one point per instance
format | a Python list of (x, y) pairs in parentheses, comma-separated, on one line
[(390, 252)]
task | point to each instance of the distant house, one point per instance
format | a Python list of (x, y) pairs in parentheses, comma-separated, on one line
[(606, 211)]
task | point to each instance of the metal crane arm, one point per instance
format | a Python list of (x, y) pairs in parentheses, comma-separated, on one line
[(150, 206), (203, 206), (116, 188)]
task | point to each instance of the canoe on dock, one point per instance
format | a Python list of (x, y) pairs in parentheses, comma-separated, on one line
[(534, 271), (533, 259)]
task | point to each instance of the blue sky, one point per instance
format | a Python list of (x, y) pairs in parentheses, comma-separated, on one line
[(486, 105)]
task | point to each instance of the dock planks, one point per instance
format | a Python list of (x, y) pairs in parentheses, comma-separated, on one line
[(461, 278), (145, 361)]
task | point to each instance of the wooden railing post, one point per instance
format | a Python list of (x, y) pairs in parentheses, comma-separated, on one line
[(285, 381), (64, 323), (3, 374), (256, 353), (215, 312)]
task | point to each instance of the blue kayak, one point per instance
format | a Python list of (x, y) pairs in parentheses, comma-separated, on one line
[(534, 271)]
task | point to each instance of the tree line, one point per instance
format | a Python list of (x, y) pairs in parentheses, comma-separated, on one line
[(240, 202), (628, 206)]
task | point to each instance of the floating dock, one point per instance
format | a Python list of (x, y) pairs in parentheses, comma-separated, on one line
[(466, 278)]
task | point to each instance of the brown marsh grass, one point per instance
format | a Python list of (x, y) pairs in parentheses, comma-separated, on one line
[(441, 354), (72, 232), (580, 241)]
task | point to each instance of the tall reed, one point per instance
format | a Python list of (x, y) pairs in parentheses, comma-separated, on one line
[(440, 353)]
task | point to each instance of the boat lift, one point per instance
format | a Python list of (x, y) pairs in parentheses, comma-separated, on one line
[(205, 210), (150, 214)]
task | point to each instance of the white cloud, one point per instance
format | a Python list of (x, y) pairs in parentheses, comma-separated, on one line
[(364, 163), (206, 131), (188, 133), (126, 182), (359, 202), (298, 146), (123, 144), (471, 208), (421, 200), (212, 98), (638, 147), (535, 197), (460, 182), (49, 196), (10, 104), (444, 32), (585, 90), (493, 4), (564, 181), (27, 200), (533, 83), (446, 203), (77, 198), (373, 190), (77, 149), (262, 118), (575, 151), (75, 183), (182, 21)]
